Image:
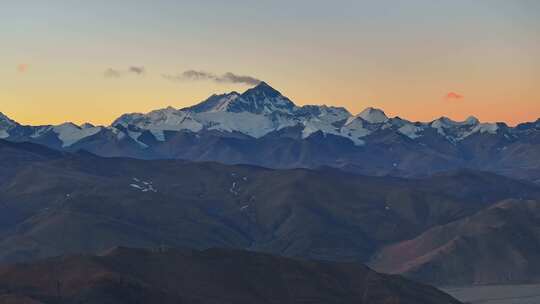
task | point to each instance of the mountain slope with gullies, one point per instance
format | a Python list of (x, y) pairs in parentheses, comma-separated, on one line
[(82, 203)]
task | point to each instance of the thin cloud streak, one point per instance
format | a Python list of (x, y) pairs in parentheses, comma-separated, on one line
[(454, 96), (115, 73), (23, 67), (112, 73), (139, 70), (229, 77)]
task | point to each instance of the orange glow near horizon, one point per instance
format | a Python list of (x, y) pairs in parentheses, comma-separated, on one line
[(101, 107), (416, 59)]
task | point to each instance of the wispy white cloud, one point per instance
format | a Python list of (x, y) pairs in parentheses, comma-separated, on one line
[(229, 77)]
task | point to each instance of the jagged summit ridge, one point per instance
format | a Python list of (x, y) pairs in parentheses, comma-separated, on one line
[(262, 99)]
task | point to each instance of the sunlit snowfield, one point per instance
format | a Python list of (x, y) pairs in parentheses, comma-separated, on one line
[(510, 294)]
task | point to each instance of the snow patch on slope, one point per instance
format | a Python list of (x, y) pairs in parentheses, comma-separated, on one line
[(410, 131), (490, 128), (158, 121), (244, 122), (354, 129), (143, 186), (322, 118), (4, 134), (70, 133)]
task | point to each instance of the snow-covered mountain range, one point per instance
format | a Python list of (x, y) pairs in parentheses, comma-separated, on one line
[(231, 126), (262, 110)]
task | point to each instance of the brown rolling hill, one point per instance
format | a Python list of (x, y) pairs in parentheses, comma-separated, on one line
[(213, 276), (498, 245)]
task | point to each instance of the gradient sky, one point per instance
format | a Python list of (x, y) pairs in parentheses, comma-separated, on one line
[(419, 59)]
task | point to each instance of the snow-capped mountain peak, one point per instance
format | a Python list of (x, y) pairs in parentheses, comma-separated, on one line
[(262, 90), (373, 115), (6, 122), (69, 133), (262, 99), (459, 130), (471, 120), (445, 122)]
